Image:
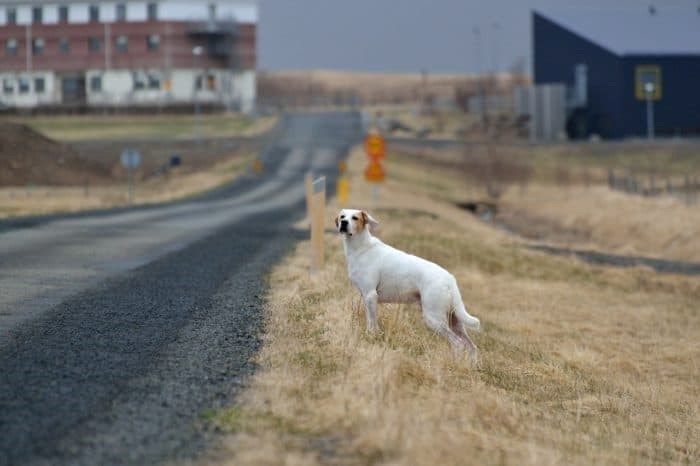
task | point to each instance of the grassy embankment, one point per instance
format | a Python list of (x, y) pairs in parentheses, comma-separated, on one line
[(559, 193), (130, 127), (579, 364), (181, 182)]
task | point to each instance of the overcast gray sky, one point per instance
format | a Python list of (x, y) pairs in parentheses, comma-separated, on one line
[(409, 35)]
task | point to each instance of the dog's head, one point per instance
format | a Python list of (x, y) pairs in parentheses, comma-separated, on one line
[(352, 222)]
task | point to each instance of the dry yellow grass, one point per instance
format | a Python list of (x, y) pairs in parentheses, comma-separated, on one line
[(578, 364), (438, 124), (577, 213), (38, 200), (369, 85), (152, 126), (610, 220)]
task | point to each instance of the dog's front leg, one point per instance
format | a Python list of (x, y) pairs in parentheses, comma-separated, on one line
[(371, 300)]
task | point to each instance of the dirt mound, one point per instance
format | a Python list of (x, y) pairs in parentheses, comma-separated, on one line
[(30, 158)]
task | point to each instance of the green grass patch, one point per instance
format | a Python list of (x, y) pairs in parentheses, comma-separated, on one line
[(316, 362), (237, 419), (168, 127)]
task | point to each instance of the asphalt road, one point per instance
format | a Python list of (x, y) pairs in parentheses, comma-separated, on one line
[(119, 329)]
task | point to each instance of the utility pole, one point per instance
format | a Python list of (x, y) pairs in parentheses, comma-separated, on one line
[(198, 82), (496, 49), (479, 81), (424, 91)]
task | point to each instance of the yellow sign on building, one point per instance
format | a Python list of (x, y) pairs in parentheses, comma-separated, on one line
[(647, 82)]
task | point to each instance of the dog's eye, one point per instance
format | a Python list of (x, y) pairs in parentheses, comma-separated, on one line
[(342, 216), (354, 218)]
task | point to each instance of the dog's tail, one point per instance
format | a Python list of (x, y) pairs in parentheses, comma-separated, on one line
[(461, 312)]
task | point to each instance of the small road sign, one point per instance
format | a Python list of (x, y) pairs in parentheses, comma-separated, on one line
[(130, 158), (374, 173), (318, 214), (342, 189), (375, 146)]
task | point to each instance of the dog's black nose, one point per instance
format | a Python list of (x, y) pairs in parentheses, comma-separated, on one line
[(343, 225)]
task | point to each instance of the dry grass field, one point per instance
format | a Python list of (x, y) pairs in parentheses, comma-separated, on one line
[(151, 126), (370, 87), (579, 364), (180, 183), (560, 195), (68, 163), (663, 227), (438, 124)]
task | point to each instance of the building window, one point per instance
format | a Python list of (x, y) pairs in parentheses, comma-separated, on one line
[(152, 11), (139, 81), (94, 13), (11, 47), (121, 12), (122, 44), (64, 45), (96, 83), (153, 42), (94, 44), (38, 45), (23, 85), (63, 14), (153, 81), (211, 82), (11, 16), (8, 86), (37, 15), (39, 85)]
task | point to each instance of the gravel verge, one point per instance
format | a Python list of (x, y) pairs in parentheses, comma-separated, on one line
[(122, 373)]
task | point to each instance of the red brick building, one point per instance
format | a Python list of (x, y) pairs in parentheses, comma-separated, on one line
[(127, 53)]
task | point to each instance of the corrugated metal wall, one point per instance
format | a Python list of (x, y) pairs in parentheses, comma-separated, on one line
[(545, 106)]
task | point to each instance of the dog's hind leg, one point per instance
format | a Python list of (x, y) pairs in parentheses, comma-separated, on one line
[(458, 328), (439, 326)]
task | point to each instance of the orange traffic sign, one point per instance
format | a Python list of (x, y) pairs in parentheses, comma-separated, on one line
[(374, 173), (375, 146)]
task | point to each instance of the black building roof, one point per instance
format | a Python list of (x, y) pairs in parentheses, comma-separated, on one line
[(626, 31)]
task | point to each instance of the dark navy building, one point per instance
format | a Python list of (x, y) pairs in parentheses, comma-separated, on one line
[(617, 62)]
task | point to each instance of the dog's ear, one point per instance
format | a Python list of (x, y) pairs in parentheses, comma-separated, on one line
[(336, 222), (369, 220)]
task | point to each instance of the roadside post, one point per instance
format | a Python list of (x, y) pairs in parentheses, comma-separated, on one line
[(649, 89), (198, 85), (308, 192), (258, 166), (342, 186), (375, 147), (318, 214), (649, 95), (130, 159)]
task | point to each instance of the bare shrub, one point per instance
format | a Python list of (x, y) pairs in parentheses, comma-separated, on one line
[(495, 169)]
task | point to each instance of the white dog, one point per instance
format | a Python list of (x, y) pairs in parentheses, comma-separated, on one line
[(386, 275)]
